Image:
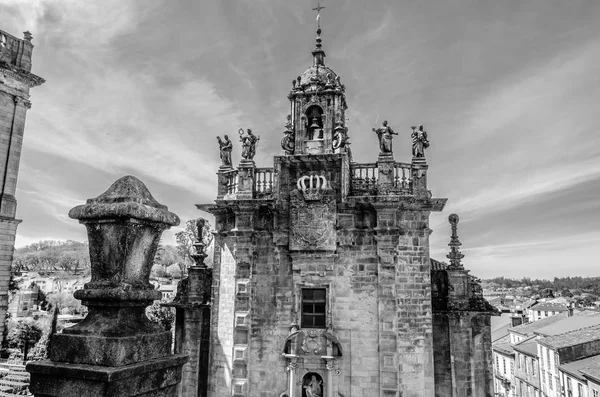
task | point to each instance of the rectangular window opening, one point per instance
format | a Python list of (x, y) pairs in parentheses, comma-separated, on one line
[(313, 308)]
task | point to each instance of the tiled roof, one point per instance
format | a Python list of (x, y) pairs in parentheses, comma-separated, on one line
[(572, 338), (528, 346), (500, 333), (528, 328), (505, 348), (568, 324), (547, 306), (588, 366), (437, 265)]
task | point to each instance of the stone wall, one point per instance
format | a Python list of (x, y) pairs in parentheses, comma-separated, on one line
[(379, 306)]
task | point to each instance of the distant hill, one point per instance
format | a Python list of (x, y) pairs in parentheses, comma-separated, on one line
[(51, 256), (72, 257), (575, 285)]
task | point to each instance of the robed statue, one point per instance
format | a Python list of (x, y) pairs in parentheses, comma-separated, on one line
[(340, 136), (225, 147), (385, 135), (419, 141), (288, 143), (314, 387), (249, 141)]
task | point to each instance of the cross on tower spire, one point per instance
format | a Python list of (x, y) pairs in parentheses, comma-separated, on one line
[(318, 53), (318, 9)]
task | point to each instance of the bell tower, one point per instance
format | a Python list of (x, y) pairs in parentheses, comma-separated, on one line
[(317, 107)]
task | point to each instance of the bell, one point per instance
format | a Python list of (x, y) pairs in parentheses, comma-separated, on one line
[(314, 124)]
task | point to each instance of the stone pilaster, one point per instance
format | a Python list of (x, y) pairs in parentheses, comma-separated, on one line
[(115, 350), (413, 297), (15, 81), (387, 241), (8, 231)]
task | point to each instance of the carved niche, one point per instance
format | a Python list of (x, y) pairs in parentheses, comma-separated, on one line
[(313, 215)]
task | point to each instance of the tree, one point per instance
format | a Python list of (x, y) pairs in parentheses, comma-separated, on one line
[(164, 316), (23, 335), (66, 303)]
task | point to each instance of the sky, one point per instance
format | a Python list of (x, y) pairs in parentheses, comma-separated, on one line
[(508, 92)]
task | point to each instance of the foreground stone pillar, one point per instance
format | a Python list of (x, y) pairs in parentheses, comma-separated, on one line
[(115, 350)]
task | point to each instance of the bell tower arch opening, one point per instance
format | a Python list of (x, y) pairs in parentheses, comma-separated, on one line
[(314, 115)]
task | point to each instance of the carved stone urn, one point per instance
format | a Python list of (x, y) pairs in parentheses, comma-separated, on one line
[(115, 350), (124, 225)]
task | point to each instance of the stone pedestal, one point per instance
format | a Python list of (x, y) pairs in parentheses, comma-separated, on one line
[(245, 189), (385, 166), (115, 350), (419, 177)]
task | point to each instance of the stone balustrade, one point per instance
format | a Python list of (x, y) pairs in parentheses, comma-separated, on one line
[(366, 179), (263, 181)]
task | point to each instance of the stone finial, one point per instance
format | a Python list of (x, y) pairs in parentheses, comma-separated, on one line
[(199, 245), (27, 35), (124, 226), (455, 255)]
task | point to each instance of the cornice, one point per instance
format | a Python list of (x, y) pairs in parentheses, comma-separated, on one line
[(21, 75)]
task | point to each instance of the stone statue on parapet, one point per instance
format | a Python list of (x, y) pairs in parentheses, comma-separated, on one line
[(225, 147), (249, 141), (419, 141), (288, 143), (340, 136), (385, 135)]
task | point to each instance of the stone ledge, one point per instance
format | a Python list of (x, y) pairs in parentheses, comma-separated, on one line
[(151, 378), (108, 351)]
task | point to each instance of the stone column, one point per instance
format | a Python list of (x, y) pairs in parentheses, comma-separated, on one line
[(115, 350), (192, 303), (291, 369), (330, 368)]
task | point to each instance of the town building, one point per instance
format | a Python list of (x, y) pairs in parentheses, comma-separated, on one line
[(15, 81), (546, 309), (564, 348), (580, 378), (527, 374), (504, 367), (322, 282)]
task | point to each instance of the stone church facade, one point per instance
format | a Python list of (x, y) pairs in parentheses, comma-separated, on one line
[(15, 81), (322, 283)]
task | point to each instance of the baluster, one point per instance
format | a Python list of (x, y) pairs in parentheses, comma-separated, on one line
[(404, 177), (270, 182)]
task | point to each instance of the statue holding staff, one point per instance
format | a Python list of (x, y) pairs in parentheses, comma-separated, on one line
[(249, 141), (385, 135)]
